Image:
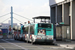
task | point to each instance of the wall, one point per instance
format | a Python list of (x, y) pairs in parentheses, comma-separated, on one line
[(51, 2), (59, 13), (53, 20), (58, 33), (66, 14), (73, 20)]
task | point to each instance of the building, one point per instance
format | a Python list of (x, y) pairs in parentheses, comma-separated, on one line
[(5, 27), (63, 17)]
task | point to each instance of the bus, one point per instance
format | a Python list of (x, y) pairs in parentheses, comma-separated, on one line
[(35, 32), (39, 32), (19, 32)]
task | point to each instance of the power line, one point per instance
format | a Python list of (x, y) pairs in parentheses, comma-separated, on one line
[(5, 15), (23, 17), (17, 20), (4, 20)]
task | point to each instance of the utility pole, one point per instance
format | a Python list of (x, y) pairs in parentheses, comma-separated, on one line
[(11, 19)]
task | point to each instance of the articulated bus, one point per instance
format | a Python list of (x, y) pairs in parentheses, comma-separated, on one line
[(35, 32)]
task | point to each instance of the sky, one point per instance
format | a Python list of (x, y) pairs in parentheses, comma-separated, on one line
[(25, 8)]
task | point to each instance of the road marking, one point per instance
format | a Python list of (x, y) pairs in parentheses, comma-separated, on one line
[(2, 47), (39, 47), (56, 48), (15, 44), (8, 39), (11, 39)]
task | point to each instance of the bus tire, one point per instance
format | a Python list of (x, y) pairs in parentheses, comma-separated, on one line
[(24, 40), (27, 41), (32, 42), (19, 39), (14, 38)]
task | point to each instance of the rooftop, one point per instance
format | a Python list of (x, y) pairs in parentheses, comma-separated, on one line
[(42, 17)]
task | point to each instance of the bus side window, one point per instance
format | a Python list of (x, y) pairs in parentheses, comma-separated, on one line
[(26, 30), (32, 29)]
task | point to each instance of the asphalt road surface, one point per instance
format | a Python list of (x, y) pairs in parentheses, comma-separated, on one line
[(11, 44)]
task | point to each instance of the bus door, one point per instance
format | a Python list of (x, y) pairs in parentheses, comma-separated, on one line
[(26, 31), (31, 31), (18, 32)]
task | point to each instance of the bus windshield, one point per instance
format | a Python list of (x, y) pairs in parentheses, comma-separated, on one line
[(44, 25)]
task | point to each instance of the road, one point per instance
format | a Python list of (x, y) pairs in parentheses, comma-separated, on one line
[(11, 44)]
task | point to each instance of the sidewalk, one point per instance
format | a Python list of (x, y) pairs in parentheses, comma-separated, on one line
[(70, 45)]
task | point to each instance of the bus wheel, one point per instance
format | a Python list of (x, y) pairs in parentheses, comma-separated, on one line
[(32, 42), (24, 40), (27, 41), (14, 38), (19, 38)]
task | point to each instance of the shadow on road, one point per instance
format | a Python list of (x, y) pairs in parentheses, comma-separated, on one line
[(18, 41), (45, 44), (10, 40)]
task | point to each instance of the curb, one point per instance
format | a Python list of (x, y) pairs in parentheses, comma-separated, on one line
[(66, 46)]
